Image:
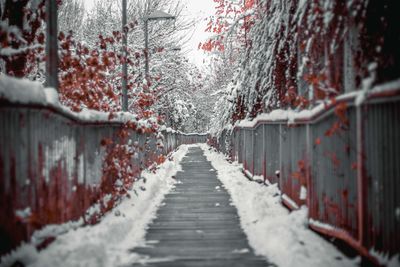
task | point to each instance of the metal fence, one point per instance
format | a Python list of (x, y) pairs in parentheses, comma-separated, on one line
[(343, 163), (52, 165)]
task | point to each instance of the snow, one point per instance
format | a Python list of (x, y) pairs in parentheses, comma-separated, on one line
[(397, 213), (23, 91), (279, 115), (241, 251), (385, 259), (170, 130), (290, 201), (23, 214), (158, 14), (8, 51), (272, 231), (291, 116), (366, 85), (63, 148), (303, 192), (109, 242), (248, 174), (389, 86), (321, 225)]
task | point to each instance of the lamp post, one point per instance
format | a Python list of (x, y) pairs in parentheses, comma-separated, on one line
[(125, 55), (51, 45), (155, 15)]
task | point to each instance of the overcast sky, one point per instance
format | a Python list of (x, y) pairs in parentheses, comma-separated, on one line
[(199, 10)]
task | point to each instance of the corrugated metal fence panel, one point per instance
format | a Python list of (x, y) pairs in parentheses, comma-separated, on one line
[(53, 165), (241, 147), (272, 150), (258, 150), (221, 143), (382, 176), (134, 141), (226, 142), (248, 148), (333, 198), (192, 138), (234, 145), (342, 182), (293, 161)]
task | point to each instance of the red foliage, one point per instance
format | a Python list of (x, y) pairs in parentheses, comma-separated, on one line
[(23, 33), (88, 77), (317, 141), (342, 123), (334, 159), (301, 173), (294, 100), (221, 23)]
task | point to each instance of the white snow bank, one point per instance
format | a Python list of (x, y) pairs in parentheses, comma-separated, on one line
[(23, 91), (109, 242), (291, 116), (272, 231)]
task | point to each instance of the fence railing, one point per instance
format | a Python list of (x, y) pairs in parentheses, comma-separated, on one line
[(53, 165), (342, 161)]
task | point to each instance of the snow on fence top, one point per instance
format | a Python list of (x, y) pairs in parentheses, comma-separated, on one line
[(170, 130), (23, 91), (291, 116)]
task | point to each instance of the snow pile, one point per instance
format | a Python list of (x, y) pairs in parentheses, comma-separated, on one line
[(273, 232), (109, 242), (23, 91)]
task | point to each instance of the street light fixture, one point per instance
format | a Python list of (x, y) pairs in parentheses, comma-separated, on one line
[(155, 15)]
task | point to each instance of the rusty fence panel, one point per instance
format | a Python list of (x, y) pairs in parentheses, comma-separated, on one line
[(333, 189), (258, 150), (292, 178), (381, 174), (248, 163), (234, 145), (222, 142), (343, 163), (272, 152), (52, 166), (240, 148)]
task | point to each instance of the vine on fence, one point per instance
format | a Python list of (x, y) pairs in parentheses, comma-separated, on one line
[(122, 166)]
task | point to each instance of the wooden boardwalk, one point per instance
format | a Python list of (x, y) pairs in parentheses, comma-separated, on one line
[(198, 226)]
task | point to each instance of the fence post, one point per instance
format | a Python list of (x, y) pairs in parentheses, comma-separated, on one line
[(264, 153), (309, 160), (360, 175), (280, 157)]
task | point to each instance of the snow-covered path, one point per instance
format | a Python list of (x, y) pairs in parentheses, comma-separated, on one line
[(197, 224), (196, 210)]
